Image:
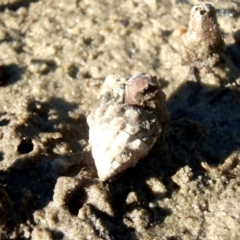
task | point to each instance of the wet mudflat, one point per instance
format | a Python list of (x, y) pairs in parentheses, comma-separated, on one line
[(54, 59)]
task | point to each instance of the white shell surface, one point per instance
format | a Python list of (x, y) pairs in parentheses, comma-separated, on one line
[(120, 135)]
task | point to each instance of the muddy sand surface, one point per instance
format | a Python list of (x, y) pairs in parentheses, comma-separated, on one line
[(54, 58)]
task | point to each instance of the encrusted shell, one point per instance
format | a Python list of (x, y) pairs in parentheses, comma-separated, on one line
[(125, 125), (204, 43)]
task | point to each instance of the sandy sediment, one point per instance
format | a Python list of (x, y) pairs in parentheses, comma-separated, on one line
[(54, 58)]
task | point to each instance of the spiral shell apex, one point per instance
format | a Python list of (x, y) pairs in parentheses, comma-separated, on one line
[(123, 128)]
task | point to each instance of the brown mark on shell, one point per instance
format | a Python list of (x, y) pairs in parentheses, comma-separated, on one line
[(137, 86), (144, 90)]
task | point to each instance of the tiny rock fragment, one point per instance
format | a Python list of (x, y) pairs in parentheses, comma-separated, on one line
[(204, 43), (128, 120), (183, 176), (156, 186)]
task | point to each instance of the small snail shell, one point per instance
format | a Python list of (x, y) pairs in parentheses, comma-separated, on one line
[(124, 127), (203, 38)]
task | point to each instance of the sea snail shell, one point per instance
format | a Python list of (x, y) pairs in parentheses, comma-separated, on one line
[(125, 125), (203, 40)]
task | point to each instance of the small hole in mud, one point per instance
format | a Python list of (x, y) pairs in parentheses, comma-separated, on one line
[(73, 71), (4, 122), (75, 201), (202, 12), (26, 146), (1, 156)]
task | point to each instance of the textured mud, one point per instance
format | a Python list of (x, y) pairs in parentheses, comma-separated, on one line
[(54, 57)]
